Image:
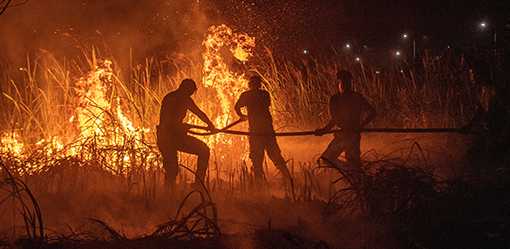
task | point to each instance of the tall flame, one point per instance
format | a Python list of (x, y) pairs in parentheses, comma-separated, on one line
[(104, 132), (217, 74)]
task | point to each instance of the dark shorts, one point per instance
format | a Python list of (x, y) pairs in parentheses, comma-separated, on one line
[(344, 142), (169, 143), (261, 144)]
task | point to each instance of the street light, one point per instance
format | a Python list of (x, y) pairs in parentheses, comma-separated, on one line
[(483, 25), (358, 59), (348, 46), (405, 37), (398, 53)]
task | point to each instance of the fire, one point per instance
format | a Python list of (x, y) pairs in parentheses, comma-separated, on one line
[(104, 123), (95, 111), (11, 144), (92, 100), (105, 133), (217, 74)]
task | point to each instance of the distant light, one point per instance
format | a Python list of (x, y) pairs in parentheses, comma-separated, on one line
[(347, 45), (401, 71), (483, 25), (358, 59), (377, 72), (305, 51), (405, 36), (398, 53)]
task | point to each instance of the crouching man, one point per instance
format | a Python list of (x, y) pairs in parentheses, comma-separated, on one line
[(350, 112), (172, 132)]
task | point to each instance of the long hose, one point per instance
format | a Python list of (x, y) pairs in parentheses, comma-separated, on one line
[(227, 130)]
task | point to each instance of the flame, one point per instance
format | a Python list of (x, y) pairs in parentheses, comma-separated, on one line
[(217, 74), (93, 103), (104, 132), (11, 144)]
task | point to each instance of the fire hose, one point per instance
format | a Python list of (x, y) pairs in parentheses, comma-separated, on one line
[(227, 130)]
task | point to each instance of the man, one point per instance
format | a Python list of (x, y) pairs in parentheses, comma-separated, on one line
[(257, 103), (350, 112), (172, 132)]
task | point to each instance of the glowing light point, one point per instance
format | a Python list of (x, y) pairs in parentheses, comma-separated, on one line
[(358, 59), (398, 53), (305, 51), (483, 25), (348, 45), (405, 36)]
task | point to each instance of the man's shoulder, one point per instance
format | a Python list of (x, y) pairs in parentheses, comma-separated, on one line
[(175, 96), (171, 94), (264, 92), (359, 96), (360, 99), (352, 95), (257, 92)]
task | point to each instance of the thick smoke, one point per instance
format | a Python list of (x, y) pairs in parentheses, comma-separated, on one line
[(122, 28)]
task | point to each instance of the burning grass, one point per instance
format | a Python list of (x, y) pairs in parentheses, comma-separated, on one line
[(84, 124), (95, 111)]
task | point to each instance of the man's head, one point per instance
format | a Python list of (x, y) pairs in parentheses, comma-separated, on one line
[(345, 78), (188, 86), (255, 82)]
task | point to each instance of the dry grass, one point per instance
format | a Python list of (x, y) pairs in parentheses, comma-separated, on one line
[(40, 99)]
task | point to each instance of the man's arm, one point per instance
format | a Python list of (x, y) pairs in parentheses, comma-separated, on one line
[(200, 114), (331, 123), (370, 111), (239, 105)]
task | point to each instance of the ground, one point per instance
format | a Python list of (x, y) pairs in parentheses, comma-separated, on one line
[(245, 211)]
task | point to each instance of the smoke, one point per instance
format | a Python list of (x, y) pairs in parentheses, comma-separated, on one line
[(119, 27)]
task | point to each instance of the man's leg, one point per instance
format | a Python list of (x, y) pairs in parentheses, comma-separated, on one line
[(275, 154), (352, 154), (257, 157), (169, 154), (352, 151), (195, 146), (170, 165), (333, 151)]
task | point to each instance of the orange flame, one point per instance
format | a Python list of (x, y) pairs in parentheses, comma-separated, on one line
[(217, 74), (102, 124)]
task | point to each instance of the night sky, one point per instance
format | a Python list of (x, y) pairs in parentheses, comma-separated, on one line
[(373, 22), (286, 26)]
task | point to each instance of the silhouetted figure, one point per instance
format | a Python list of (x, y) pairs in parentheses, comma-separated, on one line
[(257, 103), (350, 112), (172, 133), (491, 147)]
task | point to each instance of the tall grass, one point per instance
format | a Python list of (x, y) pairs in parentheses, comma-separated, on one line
[(40, 98)]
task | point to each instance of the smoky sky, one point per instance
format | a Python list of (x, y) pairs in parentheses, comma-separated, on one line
[(153, 27), (65, 27)]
